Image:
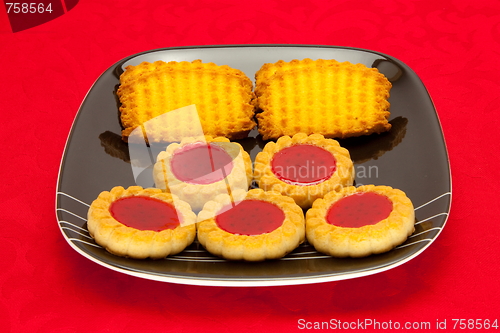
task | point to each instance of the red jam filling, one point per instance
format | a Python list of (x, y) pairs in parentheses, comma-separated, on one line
[(303, 165), (250, 217), (201, 163), (360, 209), (144, 213)]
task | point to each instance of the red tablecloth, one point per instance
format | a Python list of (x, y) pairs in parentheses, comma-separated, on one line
[(453, 45)]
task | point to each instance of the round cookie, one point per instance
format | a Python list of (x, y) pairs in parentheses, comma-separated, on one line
[(256, 226), (141, 223), (303, 167), (357, 222), (198, 169)]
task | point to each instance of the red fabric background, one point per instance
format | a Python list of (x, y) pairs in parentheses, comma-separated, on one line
[(453, 45)]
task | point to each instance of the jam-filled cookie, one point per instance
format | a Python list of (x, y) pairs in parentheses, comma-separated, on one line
[(140, 223), (198, 169), (357, 222), (256, 226), (303, 167)]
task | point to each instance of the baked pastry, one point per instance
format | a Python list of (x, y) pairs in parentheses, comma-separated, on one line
[(199, 169), (141, 223), (303, 167), (222, 95), (357, 222), (260, 225), (335, 99)]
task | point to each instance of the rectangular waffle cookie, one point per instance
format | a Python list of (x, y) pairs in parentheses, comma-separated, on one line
[(222, 95), (337, 100)]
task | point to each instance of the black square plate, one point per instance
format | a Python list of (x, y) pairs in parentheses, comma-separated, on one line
[(412, 156)]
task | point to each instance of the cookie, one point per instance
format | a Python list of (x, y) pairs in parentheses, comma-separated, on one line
[(335, 99), (255, 226), (141, 223), (222, 96), (357, 222), (303, 167)]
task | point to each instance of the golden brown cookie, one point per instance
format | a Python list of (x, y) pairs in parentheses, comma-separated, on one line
[(199, 169), (256, 226), (303, 167), (357, 222), (222, 95), (141, 223), (335, 99)]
